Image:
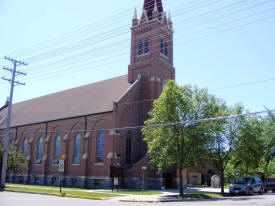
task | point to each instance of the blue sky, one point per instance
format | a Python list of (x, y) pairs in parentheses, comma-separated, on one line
[(218, 44)]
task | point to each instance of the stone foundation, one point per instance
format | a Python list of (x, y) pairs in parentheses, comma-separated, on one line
[(87, 182)]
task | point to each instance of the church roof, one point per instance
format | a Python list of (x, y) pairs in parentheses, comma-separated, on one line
[(84, 100)]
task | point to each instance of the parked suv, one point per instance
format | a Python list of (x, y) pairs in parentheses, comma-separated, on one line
[(269, 184), (246, 185)]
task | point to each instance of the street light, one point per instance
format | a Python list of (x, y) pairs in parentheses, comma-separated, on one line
[(143, 170)]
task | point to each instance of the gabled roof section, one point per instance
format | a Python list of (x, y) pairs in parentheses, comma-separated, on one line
[(3, 115), (6, 105), (85, 100)]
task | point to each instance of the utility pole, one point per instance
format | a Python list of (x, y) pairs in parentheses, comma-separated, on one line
[(13, 83)]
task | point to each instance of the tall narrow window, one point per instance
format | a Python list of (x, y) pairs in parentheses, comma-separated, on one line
[(163, 84), (146, 46), (162, 47), (25, 147), (12, 143), (140, 48), (166, 49), (100, 147), (39, 151), (56, 150), (128, 147), (77, 145)]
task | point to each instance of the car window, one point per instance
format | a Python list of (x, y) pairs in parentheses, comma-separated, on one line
[(242, 180), (253, 181), (258, 180)]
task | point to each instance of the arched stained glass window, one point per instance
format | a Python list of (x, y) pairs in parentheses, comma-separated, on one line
[(100, 147), (128, 147), (77, 145), (146, 46), (56, 150), (166, 49), (140, 48), (39, 151), (162, 47), (25, 147)]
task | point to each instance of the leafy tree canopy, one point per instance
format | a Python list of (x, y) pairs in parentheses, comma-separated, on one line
[(16, 161), (180, 145)]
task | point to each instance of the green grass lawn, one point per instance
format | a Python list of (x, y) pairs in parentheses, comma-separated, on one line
[(76, 191), (227, 186), (44, 187), (64, 192)]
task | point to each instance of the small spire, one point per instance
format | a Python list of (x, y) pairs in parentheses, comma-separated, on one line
[(169, 17), (151, 6), (135, 19), (135, 13), (155, 7), (155, 13)]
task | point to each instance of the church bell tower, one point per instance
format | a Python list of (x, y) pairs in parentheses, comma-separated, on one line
[(151, 48)]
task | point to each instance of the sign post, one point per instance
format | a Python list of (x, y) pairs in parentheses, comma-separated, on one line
[(61, 171)]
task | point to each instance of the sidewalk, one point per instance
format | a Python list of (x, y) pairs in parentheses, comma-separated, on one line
[(167, 195)]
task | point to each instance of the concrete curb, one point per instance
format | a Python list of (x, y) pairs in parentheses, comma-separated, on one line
[(58, 195), (172, 200)]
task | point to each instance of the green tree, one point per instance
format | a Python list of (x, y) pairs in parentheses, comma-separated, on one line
[(267, 163), (16, 160), (248, 146), (180, 145), (268, 136), (223, 134)]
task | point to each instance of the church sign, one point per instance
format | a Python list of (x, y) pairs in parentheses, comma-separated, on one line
[(61, 164)]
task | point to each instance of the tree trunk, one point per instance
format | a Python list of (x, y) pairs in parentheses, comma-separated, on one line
[(267, 161), (222, 180), (181, 181)]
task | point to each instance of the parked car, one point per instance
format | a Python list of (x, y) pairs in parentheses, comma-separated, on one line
[(269, 184), (247, 185)]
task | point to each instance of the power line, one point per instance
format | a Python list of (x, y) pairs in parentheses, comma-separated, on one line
[(244, 84), (220, 88), (207, 35), (76, 33), (118, 43), (82, 42), (188, 123), (184, 42)]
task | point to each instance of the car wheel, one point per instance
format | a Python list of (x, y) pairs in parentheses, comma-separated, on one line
[(265, 190)]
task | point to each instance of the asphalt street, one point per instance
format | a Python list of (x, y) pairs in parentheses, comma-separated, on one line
[(21, 199)]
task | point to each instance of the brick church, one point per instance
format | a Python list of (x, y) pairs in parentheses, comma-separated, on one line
[(75, 124)]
